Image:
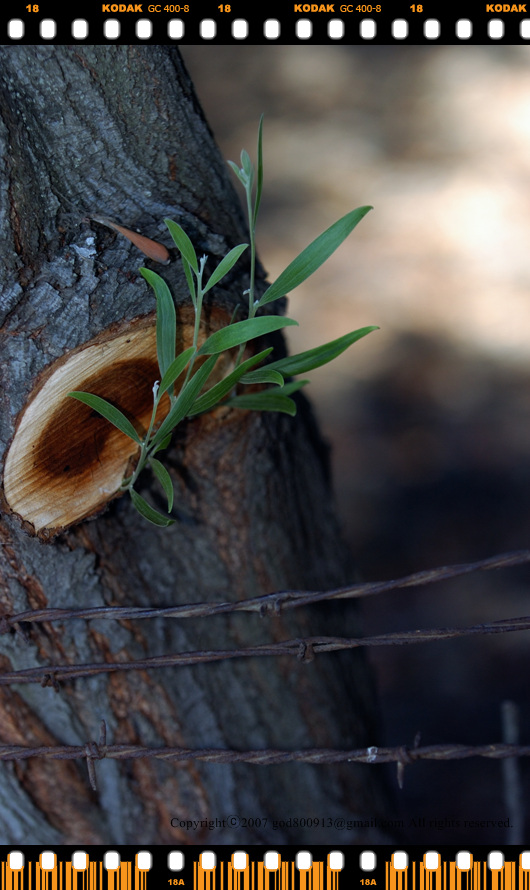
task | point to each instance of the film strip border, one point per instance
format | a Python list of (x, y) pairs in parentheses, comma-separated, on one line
[(292, 23), (207, 870), (49, 872), (493, 871), (318, 868)]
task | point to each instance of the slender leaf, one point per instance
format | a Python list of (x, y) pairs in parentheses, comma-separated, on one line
[(320, 355), (148, 512), (165, 481), (239, 173), (263, 375), (313, 256), (185, 400), (225, 265), (214, 395), (166, 323), (292, 386), (189, 278), (165, 442), (175, 369), (246, 164), (109, 412), (183, 243), (242, 331), (268, 400), (259, 183)]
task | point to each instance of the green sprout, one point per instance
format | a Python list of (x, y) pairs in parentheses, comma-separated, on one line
[(191, 397)]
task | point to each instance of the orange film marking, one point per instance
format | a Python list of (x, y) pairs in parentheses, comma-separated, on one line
[(476, 869), (509, 875), (46, 878), (332, 877), (524, 878), (238, 878), (448, 877), (204, 879), (431, 878), (11, 878), (397, 879), (64, 877), (267, 879), (260, 877), (468, 879), (140, 878), (256, 877)]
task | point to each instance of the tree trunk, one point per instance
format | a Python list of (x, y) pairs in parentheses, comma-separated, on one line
[(117, 131)]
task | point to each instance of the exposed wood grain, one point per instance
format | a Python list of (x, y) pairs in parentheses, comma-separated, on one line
[(66, 462)]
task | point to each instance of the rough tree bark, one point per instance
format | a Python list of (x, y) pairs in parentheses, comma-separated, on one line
[(118, 131)]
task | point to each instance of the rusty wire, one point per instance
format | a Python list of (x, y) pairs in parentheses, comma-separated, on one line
[(270, 603), (267, 756), (402, 755), (304, 649)]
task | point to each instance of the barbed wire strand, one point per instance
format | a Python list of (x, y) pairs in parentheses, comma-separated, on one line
[(270, 603), (267, 756), (402, 755), (304, 649)]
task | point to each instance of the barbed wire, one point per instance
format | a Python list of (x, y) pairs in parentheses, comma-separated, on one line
[(403, 755), (303, 649), (270, 603)]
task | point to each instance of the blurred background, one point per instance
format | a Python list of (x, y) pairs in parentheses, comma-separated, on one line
[(428, 418)]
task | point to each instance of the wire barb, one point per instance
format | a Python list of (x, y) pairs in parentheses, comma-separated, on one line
[(303, 649), (401, 754), (96, 751), (51, 675), (271, 604)]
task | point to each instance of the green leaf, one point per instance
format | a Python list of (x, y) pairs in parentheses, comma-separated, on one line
[(267, 400), (225, 265), (109, 412), (166, 324), (293, 386), (235, 334), (259, 185), (165, 481), (214, 395), (239, 173), (165, 442), (148, 512), (246, 164), (183, 243), (263, 375), (189, 278), (175, 369), (320, 355), (185, 400), (313, 256)]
